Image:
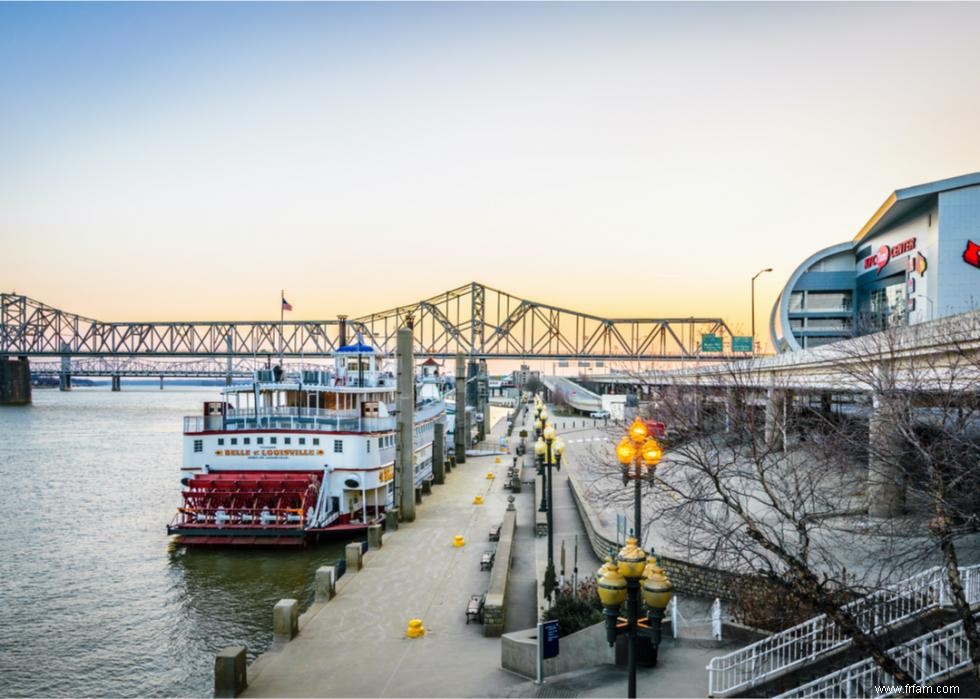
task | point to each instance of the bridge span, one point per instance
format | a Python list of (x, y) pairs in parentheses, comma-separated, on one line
[(479, 321)]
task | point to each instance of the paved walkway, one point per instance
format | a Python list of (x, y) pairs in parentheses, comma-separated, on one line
[(355, 645)]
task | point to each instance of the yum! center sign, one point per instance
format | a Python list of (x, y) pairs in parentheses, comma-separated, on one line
[(887, 253)]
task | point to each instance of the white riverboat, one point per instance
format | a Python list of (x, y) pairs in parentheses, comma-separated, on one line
[(287, 459)]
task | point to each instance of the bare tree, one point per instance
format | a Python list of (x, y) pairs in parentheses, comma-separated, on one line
[(829, 480)]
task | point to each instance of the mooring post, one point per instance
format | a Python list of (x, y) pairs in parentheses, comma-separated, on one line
[(230, 673), (405, 446)]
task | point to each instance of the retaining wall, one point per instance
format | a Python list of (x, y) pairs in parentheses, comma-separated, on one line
[(495, 607), (688, 578)]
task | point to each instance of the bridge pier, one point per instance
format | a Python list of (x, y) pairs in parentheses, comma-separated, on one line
[(15, 381), (731, 408), (116, 382), (886, 483), (460, 438), (64, 378), (775, 426), (405, 419), (826, 404), (483, 399), (439, 453)]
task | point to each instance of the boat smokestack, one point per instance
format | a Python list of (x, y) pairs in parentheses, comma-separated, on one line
[(342, 331)]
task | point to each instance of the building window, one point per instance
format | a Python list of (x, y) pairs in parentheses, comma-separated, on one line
[(828, 324), (302, 440), (828, 301), (259, 440), (796, 323), (796, 301), (221, 441), (234, 441), (316, 441), (368, 443), (338, 446), (288, 440), (247, 440), (198, 445), (272, 440)]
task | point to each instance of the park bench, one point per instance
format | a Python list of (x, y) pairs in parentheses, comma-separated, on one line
[(486, 560), (474, 609)]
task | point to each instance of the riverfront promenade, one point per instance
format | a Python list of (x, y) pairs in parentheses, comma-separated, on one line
[(355, 645)]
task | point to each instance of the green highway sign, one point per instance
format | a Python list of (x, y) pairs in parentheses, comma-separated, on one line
[(711, 343), (741, 343)]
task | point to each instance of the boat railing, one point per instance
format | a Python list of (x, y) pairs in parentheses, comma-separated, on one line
[(299, 418), (288, 411)]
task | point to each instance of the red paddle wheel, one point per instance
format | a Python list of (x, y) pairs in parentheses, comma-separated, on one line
[(247, 508)]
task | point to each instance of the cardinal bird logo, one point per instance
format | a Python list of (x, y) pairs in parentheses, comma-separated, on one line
[(972, 254)]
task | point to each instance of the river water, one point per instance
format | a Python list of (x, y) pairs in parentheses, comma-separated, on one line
[(95, 598)]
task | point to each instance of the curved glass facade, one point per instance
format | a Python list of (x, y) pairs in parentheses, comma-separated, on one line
[(900, 269)]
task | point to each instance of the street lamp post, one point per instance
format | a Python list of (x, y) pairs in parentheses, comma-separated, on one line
[(548, 450), (631, 575), (767, 269), (638, 449)]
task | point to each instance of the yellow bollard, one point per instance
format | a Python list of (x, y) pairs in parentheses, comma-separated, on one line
[(497, 460), (415, 629), (458, 541), (478, 500), (490, 475)]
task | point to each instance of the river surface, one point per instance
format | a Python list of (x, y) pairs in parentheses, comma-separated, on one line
[(95, 598)]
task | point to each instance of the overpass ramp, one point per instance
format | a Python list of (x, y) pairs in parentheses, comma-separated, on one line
[(571, 393)]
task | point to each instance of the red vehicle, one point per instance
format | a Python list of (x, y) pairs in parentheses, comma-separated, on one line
[(657, 430)]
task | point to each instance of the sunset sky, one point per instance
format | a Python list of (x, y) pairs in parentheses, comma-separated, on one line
[(188, 161)]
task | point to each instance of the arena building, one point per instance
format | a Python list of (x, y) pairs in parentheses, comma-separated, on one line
[(916, 259)]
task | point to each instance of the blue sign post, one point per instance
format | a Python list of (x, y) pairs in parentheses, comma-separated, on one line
[(550, 629), (547, 645)]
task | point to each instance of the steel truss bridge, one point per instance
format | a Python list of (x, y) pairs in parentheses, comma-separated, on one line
[(217, 368), (480, 322)]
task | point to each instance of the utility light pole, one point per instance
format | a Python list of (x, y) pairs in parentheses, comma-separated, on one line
[(767, 269)]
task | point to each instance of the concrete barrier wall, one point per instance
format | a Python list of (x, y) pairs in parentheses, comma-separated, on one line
[(494, 610), (688, 578), (585, 648)]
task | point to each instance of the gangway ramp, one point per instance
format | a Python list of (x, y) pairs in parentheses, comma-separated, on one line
[(572, 393)]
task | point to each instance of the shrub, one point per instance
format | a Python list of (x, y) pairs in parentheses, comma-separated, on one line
[(575, 611)]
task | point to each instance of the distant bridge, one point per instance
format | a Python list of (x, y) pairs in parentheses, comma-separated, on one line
[(474, 319), (153, 368)]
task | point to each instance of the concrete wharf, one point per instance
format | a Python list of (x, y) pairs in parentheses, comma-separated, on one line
[(355, 645)]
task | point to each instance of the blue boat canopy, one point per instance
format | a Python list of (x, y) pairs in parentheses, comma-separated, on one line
[(358, 346)]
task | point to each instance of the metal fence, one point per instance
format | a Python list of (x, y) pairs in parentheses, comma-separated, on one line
[(929, 658), (782, 652)]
